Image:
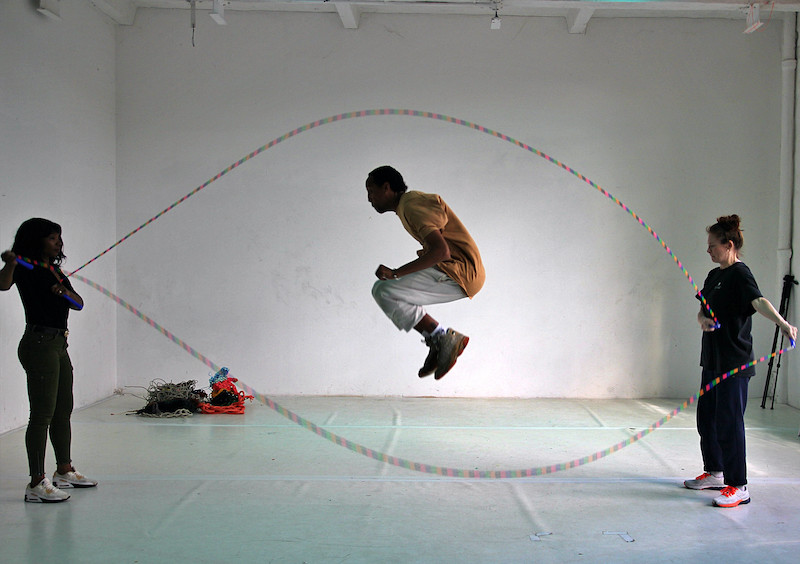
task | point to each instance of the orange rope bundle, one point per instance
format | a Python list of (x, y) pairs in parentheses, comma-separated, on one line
[(233, 409), (223, 386)]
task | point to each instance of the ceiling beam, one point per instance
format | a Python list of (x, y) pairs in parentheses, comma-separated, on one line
[(348, 14), (577, 12), (577, 20)]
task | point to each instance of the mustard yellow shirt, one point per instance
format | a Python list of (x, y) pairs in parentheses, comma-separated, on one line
[(421, 214)]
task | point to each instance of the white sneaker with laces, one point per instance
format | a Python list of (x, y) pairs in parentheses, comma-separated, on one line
[(73, 479), (705, 481), (44, 492), (732, 496)]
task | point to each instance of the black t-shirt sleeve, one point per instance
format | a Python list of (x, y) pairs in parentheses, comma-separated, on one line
[(748, 291)]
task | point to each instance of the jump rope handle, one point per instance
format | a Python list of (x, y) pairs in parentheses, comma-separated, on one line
[(73, 302)]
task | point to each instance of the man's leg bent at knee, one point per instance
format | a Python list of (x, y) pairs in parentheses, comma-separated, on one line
[(402, 300)]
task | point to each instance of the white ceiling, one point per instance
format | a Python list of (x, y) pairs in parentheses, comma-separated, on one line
[(577, 13)]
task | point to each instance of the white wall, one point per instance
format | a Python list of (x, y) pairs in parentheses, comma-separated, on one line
[(268, 270), (57, 156)]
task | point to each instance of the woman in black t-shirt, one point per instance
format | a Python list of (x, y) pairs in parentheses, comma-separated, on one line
[(732, 294), (47, 296)]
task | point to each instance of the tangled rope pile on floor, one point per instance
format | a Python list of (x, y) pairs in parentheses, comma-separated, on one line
[(165, 399)]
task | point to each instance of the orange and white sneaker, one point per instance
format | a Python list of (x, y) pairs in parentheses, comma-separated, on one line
[(706, 481), (732, 496)]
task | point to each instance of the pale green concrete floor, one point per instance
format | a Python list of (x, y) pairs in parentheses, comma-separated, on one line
[(259, 488)]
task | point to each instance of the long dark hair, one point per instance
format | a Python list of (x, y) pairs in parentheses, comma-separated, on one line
[(28, 241)]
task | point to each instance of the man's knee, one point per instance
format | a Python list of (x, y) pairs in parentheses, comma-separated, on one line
[(380, 290)]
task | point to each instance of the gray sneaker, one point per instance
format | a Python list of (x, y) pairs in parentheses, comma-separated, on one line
[(432, 360), (44, 492), (72, 479), (705, 481), (451, 345)]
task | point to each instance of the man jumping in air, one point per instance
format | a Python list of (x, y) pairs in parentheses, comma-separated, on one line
[(448, 267)]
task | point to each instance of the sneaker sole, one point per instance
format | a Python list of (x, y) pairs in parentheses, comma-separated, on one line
[(717, 488), (461, 348), (742, 502), (68, 485), (42, 500)]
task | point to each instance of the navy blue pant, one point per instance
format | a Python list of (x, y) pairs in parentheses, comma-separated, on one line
[(720, 422)]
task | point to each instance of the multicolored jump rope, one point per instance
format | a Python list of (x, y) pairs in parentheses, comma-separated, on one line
[(380, 456)]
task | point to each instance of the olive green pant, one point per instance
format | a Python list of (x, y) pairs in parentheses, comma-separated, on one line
[(47, 364)]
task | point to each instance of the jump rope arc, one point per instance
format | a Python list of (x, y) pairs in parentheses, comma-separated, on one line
[(422, 114), (396, 461), (410, 464)]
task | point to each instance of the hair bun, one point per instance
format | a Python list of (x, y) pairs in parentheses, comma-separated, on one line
[(729, 222)]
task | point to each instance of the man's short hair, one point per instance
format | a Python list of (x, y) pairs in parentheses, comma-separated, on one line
[(388, 174)]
